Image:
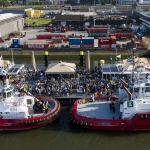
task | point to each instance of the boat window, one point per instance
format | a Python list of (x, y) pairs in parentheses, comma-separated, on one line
[(147, 89), (4, 94), (136, 89), (9, 94), (29, 101), (145, 116)]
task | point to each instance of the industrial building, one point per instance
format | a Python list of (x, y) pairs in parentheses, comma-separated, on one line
[(127, 2), (144, 2), (10, 23), (14, 11)]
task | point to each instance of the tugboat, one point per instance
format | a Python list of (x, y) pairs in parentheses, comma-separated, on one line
[(129, 111), (22, 111)]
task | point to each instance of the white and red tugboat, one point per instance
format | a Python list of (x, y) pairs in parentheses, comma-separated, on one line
[(21, 111), (130, 110)]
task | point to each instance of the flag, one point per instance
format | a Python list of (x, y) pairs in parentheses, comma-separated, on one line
[(96, 94), (25, 90), (130, 59), (92, 96), (119, 56)]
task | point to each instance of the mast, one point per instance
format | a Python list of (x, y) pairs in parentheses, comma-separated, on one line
[(94, 12), (134, 49)]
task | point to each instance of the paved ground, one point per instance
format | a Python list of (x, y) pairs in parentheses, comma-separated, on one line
[(31, 37)]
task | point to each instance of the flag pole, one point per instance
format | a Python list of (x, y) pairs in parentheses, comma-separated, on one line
[(133, 64)]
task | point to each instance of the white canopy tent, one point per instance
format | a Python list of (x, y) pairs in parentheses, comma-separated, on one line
[(61, 68)]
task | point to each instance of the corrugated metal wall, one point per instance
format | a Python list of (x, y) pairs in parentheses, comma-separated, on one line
[(12, 26), (13, 11)]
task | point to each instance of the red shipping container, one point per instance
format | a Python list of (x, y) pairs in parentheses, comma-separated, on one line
[(104, 40), (120, 35), (48, 36), (113, 40), (87, 45), (97, 30), (47, 45)]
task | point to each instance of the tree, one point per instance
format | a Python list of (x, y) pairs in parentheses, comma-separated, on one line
[(4, 3), (12, 2)]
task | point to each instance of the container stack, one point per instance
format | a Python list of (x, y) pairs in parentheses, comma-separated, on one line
[(87, 42), (16, 43), (48, 36), (56, 40), (37, 46), (104, 42), (74, 42)]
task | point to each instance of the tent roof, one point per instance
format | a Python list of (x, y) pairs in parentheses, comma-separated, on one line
[(61, 68)]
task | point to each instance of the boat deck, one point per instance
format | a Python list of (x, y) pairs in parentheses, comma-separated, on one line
[(99, 110), (51, 103)]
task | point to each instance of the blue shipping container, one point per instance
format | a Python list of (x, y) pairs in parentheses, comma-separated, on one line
[(16, 46), (87, 41), (16, 41), (74, 41)]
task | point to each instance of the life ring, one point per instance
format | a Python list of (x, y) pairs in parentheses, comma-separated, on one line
[(15, 104)]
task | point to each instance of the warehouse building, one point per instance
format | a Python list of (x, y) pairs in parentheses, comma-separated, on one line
[(14, 11), (10, 23)]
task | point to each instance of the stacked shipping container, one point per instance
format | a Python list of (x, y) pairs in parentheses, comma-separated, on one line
[(120, 35), (104, 42), (74, 42), (37, 45), (87, 42), (16, 43), (48, 36), (107, 42)]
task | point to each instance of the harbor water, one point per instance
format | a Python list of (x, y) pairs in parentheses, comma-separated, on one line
[(63, 135)]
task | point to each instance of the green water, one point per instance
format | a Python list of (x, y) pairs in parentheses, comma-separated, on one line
[(62, 135), (66, 57)]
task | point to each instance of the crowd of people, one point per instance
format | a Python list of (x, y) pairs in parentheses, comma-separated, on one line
[(82, 81)]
